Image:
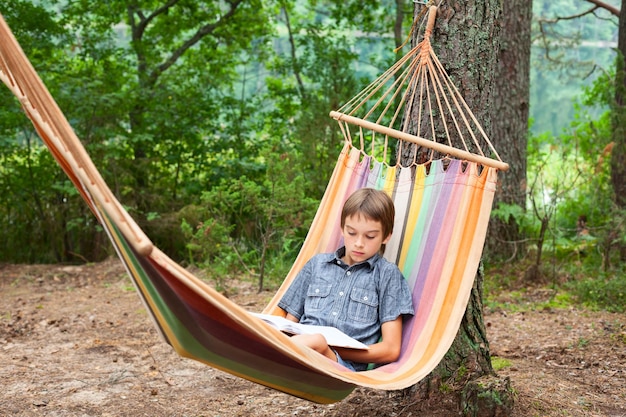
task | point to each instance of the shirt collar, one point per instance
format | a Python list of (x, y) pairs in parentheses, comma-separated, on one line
[(341, 252)]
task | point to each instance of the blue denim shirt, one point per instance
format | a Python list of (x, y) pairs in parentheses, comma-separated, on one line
[(355, 299)]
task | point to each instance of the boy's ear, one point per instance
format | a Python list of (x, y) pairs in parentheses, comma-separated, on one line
[(387, 239)]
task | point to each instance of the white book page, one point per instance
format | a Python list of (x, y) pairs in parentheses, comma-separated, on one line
[(333, 336)]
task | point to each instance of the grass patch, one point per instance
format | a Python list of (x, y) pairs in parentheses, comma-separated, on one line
[(559, 300), (540, 298), (128, 288), (499, 363), (572, 285)]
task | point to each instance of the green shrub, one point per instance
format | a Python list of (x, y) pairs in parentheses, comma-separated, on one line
[(252, 227), (601, 293)]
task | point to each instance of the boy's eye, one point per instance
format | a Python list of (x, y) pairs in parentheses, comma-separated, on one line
[(370, 237)]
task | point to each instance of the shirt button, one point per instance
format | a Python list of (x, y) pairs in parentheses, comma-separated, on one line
[(317, 290), (365, 298), (334, 313), (341, 293), (348, 273)]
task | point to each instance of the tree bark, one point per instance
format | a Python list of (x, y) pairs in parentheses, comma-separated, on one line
[(511, 97), (618, 156), (466, 39)]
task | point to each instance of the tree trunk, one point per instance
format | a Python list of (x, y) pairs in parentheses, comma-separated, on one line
[(618, 157), (466, 39), (510, 126)]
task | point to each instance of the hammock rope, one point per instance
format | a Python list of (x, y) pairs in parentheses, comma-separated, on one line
[(418, 83), (442, 212)]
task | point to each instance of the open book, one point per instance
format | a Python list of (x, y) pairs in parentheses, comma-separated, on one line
[(333, 336)]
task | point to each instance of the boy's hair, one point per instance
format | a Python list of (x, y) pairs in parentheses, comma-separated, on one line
[(374, 205)]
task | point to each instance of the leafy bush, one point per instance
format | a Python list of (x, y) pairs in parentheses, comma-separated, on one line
[(252, 227), (607, 293)]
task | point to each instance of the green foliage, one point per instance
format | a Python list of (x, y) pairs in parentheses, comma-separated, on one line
[(43, 218), (165, 91), (601, 291), (253, 227), (509, 212), (212, 117), (173, 101), (209, 241), (572, 223), (570, 217), (34, 26), (43, 222)]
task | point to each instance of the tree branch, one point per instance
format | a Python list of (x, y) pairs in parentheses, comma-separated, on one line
[(572, 17), (197, 37), (157, 12), (138, 28), (546, 23), (611, 9), (294, 58)]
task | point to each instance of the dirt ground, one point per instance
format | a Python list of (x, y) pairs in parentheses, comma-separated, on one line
[(76, 341)]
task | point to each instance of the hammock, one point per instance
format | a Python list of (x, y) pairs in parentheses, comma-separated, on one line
[(442, 211)]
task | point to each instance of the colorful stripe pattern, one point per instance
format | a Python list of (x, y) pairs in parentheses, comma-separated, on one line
[(442, 218)]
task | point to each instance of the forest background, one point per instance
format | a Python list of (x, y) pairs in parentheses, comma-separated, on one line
[(209, 121)]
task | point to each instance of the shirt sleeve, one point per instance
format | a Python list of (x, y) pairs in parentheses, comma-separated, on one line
[(395, 295), (293, 299)]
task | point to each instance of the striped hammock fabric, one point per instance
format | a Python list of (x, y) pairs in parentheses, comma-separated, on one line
[(442, 212)]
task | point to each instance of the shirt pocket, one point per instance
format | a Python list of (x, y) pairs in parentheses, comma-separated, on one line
[(363, 306), (317, 296)]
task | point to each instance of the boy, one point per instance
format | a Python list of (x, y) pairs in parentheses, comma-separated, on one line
[(355, 289)]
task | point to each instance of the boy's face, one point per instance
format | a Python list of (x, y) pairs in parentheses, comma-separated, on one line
[(362, 237)]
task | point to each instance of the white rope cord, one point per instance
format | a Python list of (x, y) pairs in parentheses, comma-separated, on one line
[(467, 109), (456, 96)]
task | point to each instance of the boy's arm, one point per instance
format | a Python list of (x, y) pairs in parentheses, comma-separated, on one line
[(385, 351), (293, 300), (291, 317)]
